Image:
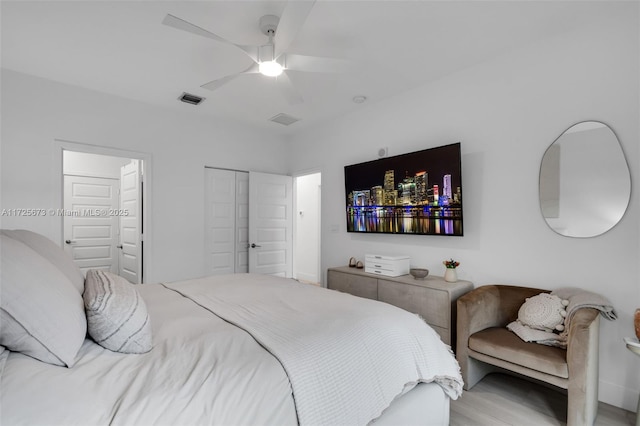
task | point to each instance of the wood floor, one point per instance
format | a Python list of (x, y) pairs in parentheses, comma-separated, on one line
[(500, 399)]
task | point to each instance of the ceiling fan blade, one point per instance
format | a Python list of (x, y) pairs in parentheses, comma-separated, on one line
[(213, 85), (181, 24), (292, 19), (316, 64), (288, 90)]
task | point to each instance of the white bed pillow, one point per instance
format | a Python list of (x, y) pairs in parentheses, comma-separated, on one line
[(43, 314), (50, 251), (117, 316), (18, 338)]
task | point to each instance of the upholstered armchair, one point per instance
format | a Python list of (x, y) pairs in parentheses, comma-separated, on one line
[(485, 345)]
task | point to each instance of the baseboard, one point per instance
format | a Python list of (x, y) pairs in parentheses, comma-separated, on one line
[(618, 396), (307, 277)]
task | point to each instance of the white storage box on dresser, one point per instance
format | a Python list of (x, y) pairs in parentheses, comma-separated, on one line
[(390, 266)]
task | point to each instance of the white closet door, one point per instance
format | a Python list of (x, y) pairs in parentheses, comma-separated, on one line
[(220, 212), (242, 222), (231, 215), (270, 224)]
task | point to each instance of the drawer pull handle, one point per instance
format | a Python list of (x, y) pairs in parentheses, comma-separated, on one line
[(378, 266), (378, 272)]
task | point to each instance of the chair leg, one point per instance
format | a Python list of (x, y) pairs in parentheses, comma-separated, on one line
[(474, 372), (581, 410)]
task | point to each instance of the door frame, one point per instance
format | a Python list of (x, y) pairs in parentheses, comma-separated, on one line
[(59, 146), (295, 176)]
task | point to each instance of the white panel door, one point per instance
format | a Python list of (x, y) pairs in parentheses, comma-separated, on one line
[(130, 265), (220, 195), (242, 222), (90, 233), (270, 224), (226, 221)]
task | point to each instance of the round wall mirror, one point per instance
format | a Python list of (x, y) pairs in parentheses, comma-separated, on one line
[(585, 184)]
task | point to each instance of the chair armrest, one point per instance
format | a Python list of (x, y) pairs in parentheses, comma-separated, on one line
[(582, 362), (581, 340)]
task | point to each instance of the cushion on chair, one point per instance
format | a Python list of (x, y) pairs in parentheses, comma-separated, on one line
[(544, 312), (501, 343)]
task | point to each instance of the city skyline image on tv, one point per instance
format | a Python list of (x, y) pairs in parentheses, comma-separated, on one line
[(416, 193)]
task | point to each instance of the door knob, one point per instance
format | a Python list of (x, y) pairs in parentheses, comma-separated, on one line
[(119, 246), (69, 242), (254, 245)]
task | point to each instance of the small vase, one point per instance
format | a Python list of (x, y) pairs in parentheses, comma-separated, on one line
[(450, 275)]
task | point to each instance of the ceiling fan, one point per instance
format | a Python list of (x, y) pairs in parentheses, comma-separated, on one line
[(271, 59)]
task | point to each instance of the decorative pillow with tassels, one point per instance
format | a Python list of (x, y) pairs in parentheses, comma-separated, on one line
[(544, 312)]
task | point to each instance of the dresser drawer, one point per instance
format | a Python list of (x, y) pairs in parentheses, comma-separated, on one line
[(357, 285), (432, 305), (380, 263)]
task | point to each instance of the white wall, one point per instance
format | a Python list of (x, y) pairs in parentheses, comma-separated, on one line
[(307, 230), (36, 112), (506, 112), (83, 164)]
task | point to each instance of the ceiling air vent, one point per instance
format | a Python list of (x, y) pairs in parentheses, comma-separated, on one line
[(190, 99), (284, 119)]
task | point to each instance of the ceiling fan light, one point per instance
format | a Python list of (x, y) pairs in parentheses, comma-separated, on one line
[(270, 68)]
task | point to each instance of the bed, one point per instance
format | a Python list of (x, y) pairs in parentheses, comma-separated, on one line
[(228, 350)]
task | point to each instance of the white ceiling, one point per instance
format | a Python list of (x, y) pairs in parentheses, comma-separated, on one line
[(121, 48)]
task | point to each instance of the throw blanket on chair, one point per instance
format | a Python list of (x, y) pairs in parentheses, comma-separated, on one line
[(347, 358), (578, 299)]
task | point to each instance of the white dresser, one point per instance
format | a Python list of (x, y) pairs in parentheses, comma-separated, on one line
[(390, 266)]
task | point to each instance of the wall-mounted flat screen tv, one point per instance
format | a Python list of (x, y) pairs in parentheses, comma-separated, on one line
[(418, 193)]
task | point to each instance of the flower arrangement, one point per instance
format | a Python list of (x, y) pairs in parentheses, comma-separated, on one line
[(450, 264)]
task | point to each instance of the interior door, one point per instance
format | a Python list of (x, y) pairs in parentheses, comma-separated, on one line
[(221, 240), (90, 235), (242, 222), (130, 265), (270, 224)]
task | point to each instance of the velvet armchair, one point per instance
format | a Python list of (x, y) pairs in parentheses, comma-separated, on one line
[(485, 345)]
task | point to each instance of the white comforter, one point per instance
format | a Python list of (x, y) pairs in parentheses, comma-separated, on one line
[(205, 370), (347, 358), (202, 370)]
